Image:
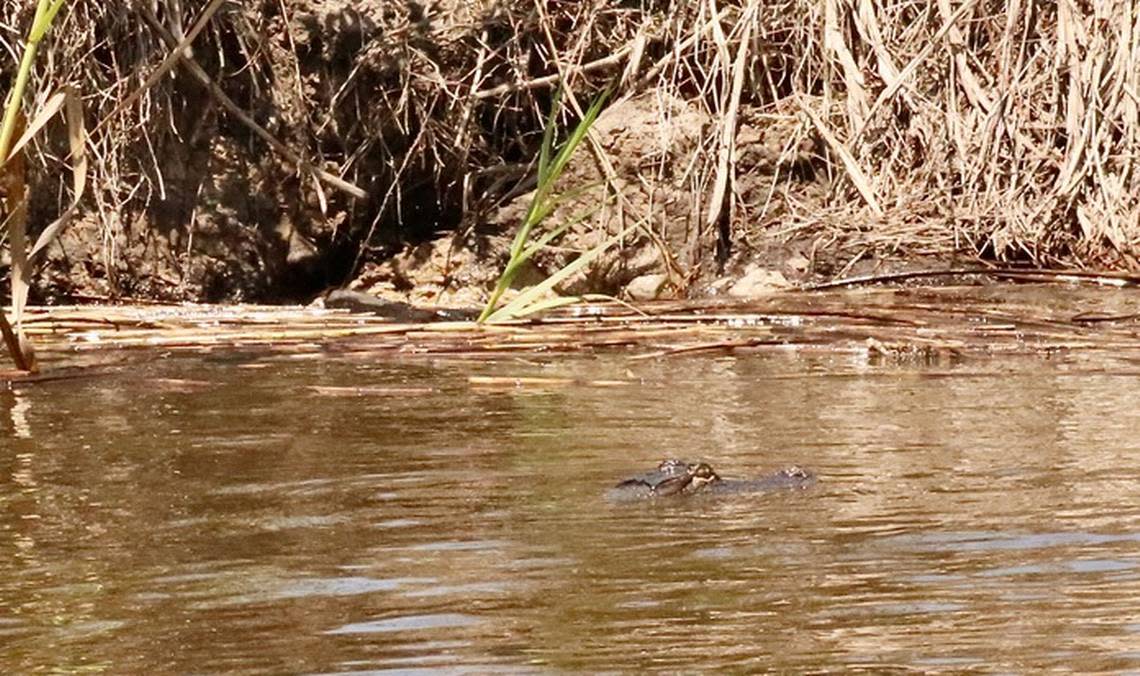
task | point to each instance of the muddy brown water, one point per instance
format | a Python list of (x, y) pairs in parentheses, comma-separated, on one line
[(259, 515)]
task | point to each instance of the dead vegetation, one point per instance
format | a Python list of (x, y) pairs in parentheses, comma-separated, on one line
[(1000, 130), (924, 326), (847, 131)]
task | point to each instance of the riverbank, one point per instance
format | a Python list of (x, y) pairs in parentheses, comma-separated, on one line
[(801, 143)]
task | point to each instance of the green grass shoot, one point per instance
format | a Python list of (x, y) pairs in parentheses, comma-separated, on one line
[(551, 165), (20, 350)]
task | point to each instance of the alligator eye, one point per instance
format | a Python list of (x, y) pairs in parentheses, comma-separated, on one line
[(704, 471)]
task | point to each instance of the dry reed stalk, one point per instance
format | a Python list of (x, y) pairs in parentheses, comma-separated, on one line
[(726, 155), (854, 172), (889, 322), (511, 382)]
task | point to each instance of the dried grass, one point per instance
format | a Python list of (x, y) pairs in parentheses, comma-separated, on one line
[(1008, 130), (930, 326)]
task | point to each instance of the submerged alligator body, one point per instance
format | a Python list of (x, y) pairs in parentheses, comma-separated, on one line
[(677, 477)]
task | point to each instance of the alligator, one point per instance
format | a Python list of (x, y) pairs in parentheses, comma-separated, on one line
[(677, 478)]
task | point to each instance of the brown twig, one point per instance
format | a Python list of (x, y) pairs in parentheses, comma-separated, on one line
[(226, 102), (1104, 278), (12, 342), (164, 67), (554, 79)]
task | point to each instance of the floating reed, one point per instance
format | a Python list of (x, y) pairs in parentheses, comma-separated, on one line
[(895, 323)]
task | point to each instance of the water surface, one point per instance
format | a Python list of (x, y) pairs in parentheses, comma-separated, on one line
[(248, 515)]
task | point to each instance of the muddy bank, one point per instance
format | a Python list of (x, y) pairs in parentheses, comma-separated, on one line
[(755, 150)]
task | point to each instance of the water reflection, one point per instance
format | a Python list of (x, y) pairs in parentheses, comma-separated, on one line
[(16, 407), (976, 517)]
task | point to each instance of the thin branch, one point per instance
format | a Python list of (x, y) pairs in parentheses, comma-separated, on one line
[(220, 96)]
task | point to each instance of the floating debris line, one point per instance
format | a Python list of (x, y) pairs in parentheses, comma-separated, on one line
[(905, 323)]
